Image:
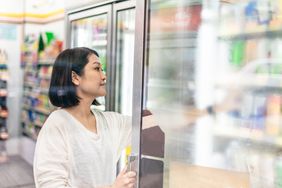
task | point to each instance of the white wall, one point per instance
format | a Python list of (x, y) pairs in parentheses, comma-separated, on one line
[(69, 4), (11, 6), (43, 6), (57, 27)]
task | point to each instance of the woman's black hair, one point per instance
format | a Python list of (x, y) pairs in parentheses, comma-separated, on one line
[(62, 91)]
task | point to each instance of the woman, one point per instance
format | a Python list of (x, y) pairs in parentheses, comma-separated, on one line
[(78, 147)]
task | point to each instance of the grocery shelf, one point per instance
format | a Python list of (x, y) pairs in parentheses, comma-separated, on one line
[(254, 130), (37, 72), (30, 135), (35, 123), (46, 62), (251, 135), (44, 91), (42, 110), (28, 84), (48, 77), (4, 76), (250, 81), (252, 35), (38, 124), (36, 109), (165, 83)]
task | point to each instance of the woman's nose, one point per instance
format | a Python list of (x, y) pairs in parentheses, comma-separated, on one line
[(103, 75)]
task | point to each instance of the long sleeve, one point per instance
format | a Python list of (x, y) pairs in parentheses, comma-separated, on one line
[(126, 133), (124, 136), (119, 128), (51, 166)]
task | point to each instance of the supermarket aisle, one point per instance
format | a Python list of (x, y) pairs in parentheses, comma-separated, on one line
[(15, 171)]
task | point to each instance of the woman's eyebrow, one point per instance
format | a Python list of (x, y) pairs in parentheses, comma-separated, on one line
[(96, 62)]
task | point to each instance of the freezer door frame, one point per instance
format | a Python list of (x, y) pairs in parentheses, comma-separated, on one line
[(121, 6), (138, 82)]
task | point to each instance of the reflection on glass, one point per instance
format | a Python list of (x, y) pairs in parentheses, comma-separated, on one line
[(124, 60), (92, 33), (170, 88), (125, 28), (213, 86)]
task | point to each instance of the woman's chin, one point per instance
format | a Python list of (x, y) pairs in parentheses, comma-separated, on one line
[(103, 94)]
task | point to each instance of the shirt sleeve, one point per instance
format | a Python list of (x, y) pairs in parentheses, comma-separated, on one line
[(125, 133), (120, 128), (51, 168)]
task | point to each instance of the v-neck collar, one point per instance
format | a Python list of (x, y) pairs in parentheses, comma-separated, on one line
[(91, 133)]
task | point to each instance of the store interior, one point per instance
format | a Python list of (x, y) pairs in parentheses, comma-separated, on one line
[(212, 77), (32, 33)]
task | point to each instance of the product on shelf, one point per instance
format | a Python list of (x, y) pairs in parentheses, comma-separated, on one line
[(3, 95), (37, 74), (250, 53)]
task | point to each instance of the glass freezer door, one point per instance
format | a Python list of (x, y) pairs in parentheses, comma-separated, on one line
[(124, 56), (211, 94), (169, 138), (91, 28), (123, 60)]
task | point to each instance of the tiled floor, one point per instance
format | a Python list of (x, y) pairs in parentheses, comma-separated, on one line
[(15, 163), (16, 172)]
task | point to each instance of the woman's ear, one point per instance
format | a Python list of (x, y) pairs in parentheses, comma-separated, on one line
[(74, 78)]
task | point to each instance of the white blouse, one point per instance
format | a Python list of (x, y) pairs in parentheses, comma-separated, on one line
[(69, 155)]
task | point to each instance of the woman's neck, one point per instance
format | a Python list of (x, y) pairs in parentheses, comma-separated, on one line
[(83, 114), (81, 110)]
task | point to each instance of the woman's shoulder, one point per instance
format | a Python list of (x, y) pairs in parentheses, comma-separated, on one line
[(110, 116), (107, 114), (55, 126), (56, 117), (56, 114)]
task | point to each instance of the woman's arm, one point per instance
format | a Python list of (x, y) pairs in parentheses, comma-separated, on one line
[(51, 167)]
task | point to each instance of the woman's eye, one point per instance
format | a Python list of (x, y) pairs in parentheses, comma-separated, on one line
[(97, 68)]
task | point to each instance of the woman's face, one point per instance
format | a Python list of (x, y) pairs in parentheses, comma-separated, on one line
[(93, 80)]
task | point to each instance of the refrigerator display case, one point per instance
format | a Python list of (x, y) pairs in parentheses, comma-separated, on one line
[(207, 94), (108, 27), (123, 61), (92, 28), (123, 56)]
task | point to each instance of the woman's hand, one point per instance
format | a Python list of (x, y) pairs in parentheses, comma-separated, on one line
[(125, 179)]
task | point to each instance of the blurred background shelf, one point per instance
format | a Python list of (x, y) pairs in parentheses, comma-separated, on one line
[(252, 35)]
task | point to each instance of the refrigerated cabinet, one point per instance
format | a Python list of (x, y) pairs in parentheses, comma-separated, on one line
[(206, 87), (109, 28), (207, 80)]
